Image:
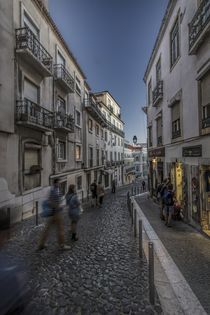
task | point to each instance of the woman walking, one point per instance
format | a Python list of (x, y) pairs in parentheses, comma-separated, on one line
[(100, 193), (73, 209)]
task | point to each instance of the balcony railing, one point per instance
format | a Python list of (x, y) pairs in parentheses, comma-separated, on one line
[(176, 134), (95, 111), (199, 25), (206, 123), (159, 140), (29, 45), (157, 93), (33, 115), (64, 122), (64, 77)]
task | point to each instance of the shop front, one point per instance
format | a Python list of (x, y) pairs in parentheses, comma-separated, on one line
[(156, 168)]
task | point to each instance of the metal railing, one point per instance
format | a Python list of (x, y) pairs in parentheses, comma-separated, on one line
[(157, 93), (25, 39), (60, 72), (199, 22), (64, 121), (30, 112), (205, 122), (93, 107), (176, 134)]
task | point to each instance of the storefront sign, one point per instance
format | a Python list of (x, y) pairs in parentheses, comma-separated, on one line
[(194, 151), (157, 152)]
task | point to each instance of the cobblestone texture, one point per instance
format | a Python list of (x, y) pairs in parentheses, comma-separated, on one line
[(100, 274), (189, 249)]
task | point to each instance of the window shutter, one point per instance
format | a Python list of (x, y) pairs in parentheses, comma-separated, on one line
[(175, 111), (205, 90), (30, 91)]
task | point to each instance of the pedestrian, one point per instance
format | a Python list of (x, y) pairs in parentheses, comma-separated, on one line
[(113, 186), (74, 210), (100, 193), (169, 205), (55, 219), (162, 190), (93, 189), (143, 184)]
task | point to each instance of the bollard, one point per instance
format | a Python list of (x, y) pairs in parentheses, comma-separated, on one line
[(37, 213), (151, 274), (140, 239), (135, 217)]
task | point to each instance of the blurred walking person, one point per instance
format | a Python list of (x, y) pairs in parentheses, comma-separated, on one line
[(93, 189), (113, 186), (100, 193), (54, 217), (74, 210), (143, 185)]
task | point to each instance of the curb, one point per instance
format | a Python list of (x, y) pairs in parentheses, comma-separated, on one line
[(176, 296)]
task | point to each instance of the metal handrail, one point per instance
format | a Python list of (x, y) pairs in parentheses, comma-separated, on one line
[(61, 72), (25, 39), (64, 121)]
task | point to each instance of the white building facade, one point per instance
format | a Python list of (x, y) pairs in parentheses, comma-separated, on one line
[(43, 124), (178, 111)]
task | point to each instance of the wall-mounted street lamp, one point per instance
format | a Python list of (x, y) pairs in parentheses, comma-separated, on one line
[(135, 139)]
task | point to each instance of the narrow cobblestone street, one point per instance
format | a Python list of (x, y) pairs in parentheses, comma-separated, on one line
[(100, 274), (189, 249)]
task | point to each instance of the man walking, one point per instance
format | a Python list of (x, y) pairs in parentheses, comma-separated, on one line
[(143, 184), (113, 186), (93, 189), (54, 203)]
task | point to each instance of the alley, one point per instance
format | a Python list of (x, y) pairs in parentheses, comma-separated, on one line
[(101, 274), (188, 248)]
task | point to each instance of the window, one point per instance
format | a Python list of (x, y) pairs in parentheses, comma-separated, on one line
[(32, 166), (205, 100), (113, 122), (174, 42), (175, 117), (111, 156), (150, 136), (115, 156), (118, 141), (115, 141), (78, 118), (61, 106), (118, 156), (79, 182), (106, 155), (78, 152), (90, 157), (31, 91), (122, 156), (159, 131), (97, 130), (90, 125), (60, 59), (105, 135), (102, 157), (97, 157), (158, 71), (106, 180), (102, 134), (149, 92), (78, 85), (61, 153), (27, 21)]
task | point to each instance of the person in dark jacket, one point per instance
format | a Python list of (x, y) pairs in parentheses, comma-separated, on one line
[(113, 186), (93, 189), (55, 219), (73, 209), (162, 191)]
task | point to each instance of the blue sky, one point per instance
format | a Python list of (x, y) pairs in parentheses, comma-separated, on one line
[(112, 40)]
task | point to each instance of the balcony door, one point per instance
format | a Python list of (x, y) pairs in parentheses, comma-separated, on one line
[(31, 98), (31, 91)]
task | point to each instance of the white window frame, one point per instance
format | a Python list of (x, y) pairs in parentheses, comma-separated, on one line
[(75, 118), (60, 159), (80, 146), (24, 11)]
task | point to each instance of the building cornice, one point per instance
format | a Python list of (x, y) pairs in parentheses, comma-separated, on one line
[(107, 92), (165, 20), (49, 19)]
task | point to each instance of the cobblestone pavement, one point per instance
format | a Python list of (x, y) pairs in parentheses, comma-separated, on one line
[(100, 274), (189, 249)]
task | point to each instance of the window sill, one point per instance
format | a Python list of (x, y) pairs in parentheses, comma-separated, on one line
[(61, 161), (26, 192), (78, 126)]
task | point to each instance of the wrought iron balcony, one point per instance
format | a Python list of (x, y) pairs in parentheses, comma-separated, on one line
[(64, 122), (159, 141), (93, 109), (176, 134), (64, 78), (32, 51), (32, 115), (157, 93), (199, 26), (206, 123)]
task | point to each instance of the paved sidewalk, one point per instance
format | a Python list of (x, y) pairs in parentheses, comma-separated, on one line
[(100, 274), (189, 249)]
